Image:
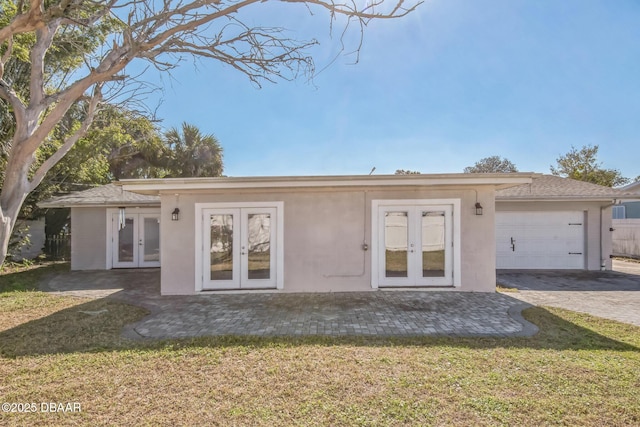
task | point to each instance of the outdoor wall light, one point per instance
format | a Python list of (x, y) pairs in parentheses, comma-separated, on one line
[(175, 215), (478, 208)]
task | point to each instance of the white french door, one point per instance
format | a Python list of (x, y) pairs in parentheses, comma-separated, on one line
[(239, 248), (415, 245), (136, 242)]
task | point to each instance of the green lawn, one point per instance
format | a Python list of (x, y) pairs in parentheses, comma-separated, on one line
[(579, 370)]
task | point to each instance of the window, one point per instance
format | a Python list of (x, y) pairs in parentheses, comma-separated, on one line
[(619, 212)]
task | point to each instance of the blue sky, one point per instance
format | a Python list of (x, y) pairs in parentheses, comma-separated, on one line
[(436, 91)]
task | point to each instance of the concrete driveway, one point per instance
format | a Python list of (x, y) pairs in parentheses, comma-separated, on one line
[(610, 294)]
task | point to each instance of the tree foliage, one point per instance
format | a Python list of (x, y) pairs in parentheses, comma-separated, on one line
[(583, 165), (192, 153), (129, 143), (492, 164), (105, 37)]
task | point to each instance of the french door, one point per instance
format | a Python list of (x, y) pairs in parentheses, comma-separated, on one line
[(239, 248), (415, 245), (136, 242)]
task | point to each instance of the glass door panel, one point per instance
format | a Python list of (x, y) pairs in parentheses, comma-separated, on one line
[(127, 246), (396, 247), (259, 246), (150, 239), (258, 263), (433, 239), (221, 247)]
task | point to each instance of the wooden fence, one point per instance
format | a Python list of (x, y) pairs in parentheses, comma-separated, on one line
[(626, 237), (58, 246)]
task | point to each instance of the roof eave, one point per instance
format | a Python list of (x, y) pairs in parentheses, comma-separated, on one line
[(611, 199), (99, 205), (499, 181)]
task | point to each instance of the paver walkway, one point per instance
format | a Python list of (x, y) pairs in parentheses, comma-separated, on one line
[(402, 313), (609, 294)]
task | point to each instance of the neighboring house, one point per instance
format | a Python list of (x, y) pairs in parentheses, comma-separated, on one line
[(555, 223), (339, 233), (628, 209), (626, 224)]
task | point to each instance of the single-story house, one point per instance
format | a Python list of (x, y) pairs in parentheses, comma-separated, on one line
[(340, 233)]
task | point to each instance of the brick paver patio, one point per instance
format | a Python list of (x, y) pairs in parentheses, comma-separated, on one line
[(381, 313)]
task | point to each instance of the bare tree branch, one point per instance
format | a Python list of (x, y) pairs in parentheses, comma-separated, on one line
[(71, 140), (24, 22), (6, 56), (44, 38), (12, 98), (161, 32)]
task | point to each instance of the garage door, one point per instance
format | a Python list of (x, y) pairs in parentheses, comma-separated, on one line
[(540, 240)]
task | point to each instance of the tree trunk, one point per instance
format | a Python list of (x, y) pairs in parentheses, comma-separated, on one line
[(8, 217), (5, 235), (14, 191)]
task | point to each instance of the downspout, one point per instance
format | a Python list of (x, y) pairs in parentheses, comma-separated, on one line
[(603, 265)]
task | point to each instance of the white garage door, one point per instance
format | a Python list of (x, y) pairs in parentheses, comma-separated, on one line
[(540, 240)]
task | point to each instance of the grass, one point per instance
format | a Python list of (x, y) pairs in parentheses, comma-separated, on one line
[(505, 288), (579, 370)]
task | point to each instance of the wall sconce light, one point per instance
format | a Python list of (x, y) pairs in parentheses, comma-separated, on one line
[(175, 215), (478, 208)]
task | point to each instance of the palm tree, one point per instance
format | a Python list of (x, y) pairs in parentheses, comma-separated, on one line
[(192, 153)]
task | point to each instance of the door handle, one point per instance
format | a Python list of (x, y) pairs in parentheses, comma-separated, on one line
[(513, 244), (140, 242)]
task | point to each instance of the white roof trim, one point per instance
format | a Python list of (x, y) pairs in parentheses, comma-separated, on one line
[(557, 199), (177, 184), (101, 205), (634, 186)]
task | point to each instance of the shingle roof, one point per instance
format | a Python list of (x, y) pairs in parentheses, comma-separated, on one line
[(555, 187), (105, 195), (634, 187)]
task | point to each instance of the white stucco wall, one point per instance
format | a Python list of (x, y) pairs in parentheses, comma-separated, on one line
[(597, 230), (88, 238), (324, 230), (34, 229)]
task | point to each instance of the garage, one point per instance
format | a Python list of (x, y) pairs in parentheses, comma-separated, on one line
[(540, 240)]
